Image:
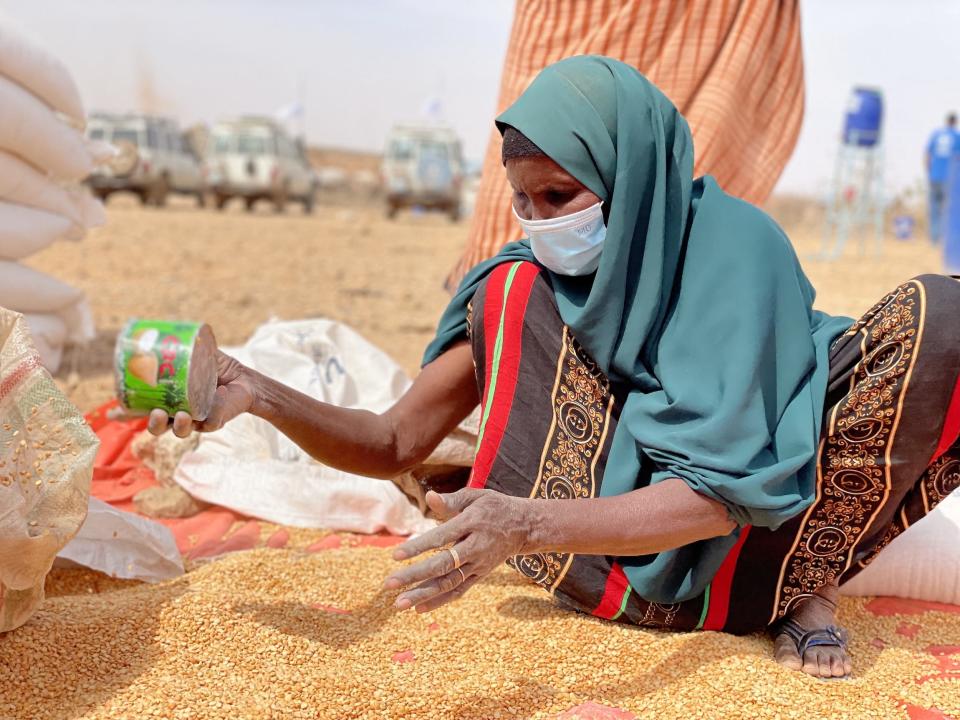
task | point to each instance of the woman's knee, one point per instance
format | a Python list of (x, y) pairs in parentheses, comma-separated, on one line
[(940, 299), (942, 288)]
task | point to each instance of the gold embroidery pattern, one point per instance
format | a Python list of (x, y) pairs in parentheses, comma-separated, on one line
[(940, 479), (659, 615), (581, 414), (854, 475)]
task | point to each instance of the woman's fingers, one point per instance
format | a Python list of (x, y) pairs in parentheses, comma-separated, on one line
[(455, 594), (441, 535), (159, 421), (448, 505), (182, 424), (431, 567), (433, 588)]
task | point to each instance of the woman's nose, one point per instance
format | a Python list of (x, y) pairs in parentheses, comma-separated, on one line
[(536, 213)]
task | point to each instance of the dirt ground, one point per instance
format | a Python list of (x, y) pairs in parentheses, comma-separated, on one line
[(236, 270)]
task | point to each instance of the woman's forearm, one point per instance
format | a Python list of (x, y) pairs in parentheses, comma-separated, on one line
[(365, 443), (653, 519), (356, 441)]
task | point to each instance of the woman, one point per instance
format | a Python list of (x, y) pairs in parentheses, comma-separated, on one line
[(670, 435)]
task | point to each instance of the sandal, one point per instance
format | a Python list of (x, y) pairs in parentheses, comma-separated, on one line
[(829, 636)]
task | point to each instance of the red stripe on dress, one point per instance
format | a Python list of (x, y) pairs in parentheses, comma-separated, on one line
[(613, 591), (509, 367), (722, 584), (492, 308), (951, 424)]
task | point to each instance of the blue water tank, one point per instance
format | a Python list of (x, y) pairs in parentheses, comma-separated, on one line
[(861, 125)]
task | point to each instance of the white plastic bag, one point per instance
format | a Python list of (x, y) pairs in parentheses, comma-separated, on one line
[(923, 563), (299, 494), (30, 66), (123, 545), (251, 467)]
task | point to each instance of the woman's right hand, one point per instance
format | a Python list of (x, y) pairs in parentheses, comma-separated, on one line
[(235, 395)]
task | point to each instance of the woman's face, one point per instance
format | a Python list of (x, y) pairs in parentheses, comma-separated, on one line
[(543, 190)]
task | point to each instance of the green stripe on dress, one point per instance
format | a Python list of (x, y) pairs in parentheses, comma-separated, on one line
[(497, 350), (706, 607), (623, 603)]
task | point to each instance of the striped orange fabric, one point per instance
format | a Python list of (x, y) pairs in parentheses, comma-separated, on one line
[(734, 68)]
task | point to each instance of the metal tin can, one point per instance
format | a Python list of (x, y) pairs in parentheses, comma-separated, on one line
[(166, 364)]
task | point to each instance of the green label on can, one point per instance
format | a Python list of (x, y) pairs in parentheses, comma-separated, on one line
[(153, 364)]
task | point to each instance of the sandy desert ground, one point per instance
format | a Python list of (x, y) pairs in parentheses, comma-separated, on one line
[(348, 262)]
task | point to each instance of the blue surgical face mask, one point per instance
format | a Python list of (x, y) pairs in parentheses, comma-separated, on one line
[(570, 244)]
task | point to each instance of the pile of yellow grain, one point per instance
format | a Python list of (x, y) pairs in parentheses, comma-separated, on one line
[(288, 634)]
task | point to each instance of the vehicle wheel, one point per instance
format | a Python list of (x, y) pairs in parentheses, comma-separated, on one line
[(159, 192), (250, 202), (201, 199), (454, 212), (144, 197), (102, 195), (308, 203), (220, 201), (280, 200), (392, 210)]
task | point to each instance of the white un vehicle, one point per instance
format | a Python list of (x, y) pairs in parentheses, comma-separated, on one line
[(255, 159), (162, 158)]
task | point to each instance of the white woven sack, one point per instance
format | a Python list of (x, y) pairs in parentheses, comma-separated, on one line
[(923, 563), (22, 184), (25, 231), (251, 467), (30, 66), (34, 132), (26, 290)]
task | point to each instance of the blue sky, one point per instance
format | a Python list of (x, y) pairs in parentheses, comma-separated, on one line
[(366, 64)]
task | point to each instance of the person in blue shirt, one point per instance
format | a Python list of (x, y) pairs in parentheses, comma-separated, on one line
[(943, 143)]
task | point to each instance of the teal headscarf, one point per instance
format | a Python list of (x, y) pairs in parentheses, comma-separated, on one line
[(699, 305)]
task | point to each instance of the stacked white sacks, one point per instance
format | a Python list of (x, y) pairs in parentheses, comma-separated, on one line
[(43, 159)]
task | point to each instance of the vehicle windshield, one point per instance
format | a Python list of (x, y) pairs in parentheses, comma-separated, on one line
[(253, 144), (433, 151), (125, 135), (222, 144), (96, 133), (401, 149), (407, 148)]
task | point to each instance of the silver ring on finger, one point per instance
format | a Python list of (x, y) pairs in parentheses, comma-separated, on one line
[(463, 575), (456, 557)]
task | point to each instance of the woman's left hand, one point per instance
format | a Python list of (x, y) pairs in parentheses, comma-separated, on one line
[(484, 527)]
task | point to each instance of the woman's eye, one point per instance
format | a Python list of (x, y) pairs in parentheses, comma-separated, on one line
[(555, 197)]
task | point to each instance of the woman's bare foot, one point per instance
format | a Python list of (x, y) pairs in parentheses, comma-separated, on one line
[(823, 661)]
